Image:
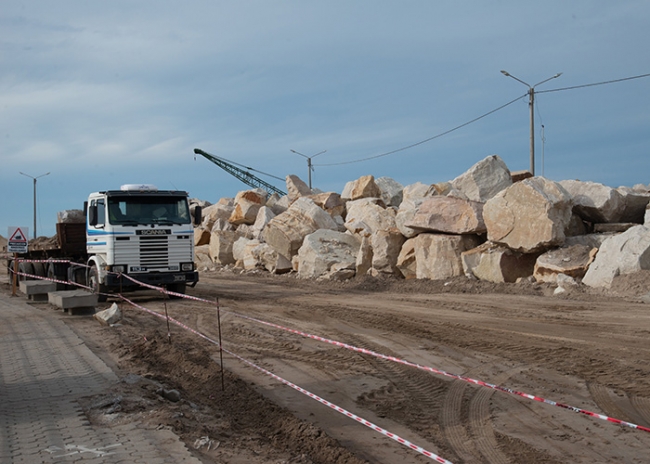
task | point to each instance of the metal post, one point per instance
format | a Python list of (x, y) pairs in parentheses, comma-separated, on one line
[(34, 179), (309, 165), (531, 93), (531, 104)]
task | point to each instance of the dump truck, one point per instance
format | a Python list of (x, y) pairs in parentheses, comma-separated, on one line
[(136, 231)]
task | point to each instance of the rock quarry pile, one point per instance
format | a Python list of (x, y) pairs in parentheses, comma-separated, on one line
[(488, 224)]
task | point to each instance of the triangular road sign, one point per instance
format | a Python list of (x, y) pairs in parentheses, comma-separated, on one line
[(18, 236)]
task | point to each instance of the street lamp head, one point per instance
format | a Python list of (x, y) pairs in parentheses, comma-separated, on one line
[(505, 73)]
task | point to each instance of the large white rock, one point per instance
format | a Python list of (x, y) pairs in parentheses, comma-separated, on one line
[(109, 316), (406, 260), (296, 188), (391, 191), (247, 204), (242, 251), (438, 256), (202, 258), (364, 257), (365, 217), (449, 215), (264, 216), (414, 192), (326, 251), (201, 236), (622, 254), (572, 261), (270, 259), (213, 213), (484, 180), (221, 242), (386, 246), (363, 187), (286, 231), (330, 202), (497, 263), (529, 216), (595, 202), (646, 218)]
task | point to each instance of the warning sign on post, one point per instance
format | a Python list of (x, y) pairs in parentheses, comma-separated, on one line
[(17, 241)]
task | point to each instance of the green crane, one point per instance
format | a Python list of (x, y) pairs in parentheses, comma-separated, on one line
[(244, 175)]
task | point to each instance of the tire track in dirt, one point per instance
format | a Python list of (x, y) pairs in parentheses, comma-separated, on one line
[(616, 406), (480, 445)]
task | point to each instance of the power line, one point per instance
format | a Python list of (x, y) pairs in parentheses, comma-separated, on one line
[(429, 139), (594, 84)]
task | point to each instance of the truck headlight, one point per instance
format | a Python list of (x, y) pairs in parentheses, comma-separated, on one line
[(119, 268), (187, 266)]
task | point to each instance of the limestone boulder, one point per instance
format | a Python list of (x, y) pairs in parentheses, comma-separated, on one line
[(247, 204), (635, 203), (595, 202), (364, 257), (222, 224), (326, 251), (366, 216), (449, 215), (214, 213), (330, 202), (484, 180), (221, 242), (406, 260), (109, 316), (391, 191), (270, 259), (386, 246), (438, 256), (296, 188), (243, 251), (405, 215), (619, 255), (264, 216), (496, 263), (529, 216), (363, 187), (278, 204), (202, 258), (646, 217), (286, 231), (201, 236), (572, 261), (416, 191)]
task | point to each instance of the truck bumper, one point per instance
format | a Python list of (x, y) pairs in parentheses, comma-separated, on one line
[(114, 281)]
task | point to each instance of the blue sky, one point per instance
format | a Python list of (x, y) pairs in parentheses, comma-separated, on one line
[(101, 94)]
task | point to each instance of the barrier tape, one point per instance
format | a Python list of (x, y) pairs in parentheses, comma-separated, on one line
[(311, 395), (407, 363)]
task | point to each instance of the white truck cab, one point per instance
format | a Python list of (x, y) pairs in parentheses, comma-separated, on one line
[(142, 232)]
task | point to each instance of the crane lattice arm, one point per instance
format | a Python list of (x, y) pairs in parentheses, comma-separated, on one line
[(241, 174)]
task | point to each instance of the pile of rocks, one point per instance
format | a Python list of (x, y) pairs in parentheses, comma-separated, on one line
[(487, 223)]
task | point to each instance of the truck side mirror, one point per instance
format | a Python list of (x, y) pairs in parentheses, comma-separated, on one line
[(198, 215), (92, 215)]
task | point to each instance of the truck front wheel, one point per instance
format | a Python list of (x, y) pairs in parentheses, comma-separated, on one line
[(97, 288), (177, 288)]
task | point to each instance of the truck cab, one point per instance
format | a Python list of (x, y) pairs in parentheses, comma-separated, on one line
[(141, 232)]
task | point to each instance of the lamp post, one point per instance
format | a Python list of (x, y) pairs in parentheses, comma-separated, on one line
[(309, 158), (531, 105), (34, 179)]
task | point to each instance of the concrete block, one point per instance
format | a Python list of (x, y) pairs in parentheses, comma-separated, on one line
[(37, 290), (73, 299)]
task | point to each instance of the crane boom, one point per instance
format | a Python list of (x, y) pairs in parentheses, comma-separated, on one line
[(241, 174)]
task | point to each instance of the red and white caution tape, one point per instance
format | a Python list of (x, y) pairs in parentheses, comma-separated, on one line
[(311, 395)]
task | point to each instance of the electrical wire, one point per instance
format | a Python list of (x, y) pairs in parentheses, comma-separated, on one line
[(594, 84), (426, 140)]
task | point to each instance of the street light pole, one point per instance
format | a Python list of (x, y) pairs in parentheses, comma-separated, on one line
[(309, 158), (34, 179), (531, 106)]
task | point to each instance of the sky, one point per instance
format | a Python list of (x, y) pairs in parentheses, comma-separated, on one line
[(100, 94)]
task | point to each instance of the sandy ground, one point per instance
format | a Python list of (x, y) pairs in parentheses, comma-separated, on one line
[(586, 348)]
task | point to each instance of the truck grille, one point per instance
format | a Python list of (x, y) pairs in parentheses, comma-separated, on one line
[(154, 252)]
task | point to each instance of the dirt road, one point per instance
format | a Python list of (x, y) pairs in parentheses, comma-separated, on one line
[(585, 349)]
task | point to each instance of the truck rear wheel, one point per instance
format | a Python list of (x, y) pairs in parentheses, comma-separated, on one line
[(25, 268), (97, 288)]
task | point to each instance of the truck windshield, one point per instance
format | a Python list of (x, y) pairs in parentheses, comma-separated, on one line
[(134, 210)]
